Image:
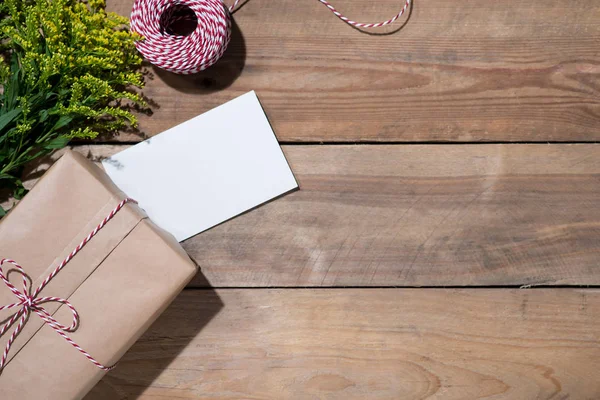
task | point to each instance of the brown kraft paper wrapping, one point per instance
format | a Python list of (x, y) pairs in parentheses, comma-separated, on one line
[(119, 282)]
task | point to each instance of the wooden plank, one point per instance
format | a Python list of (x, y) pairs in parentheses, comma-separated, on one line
[(472, 70), (431, 215), (419, 216), (367, 343)]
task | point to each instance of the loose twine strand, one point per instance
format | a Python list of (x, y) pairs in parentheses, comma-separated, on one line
[(188, 54)]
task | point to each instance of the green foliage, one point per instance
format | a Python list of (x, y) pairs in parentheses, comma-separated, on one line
[(66, 69)]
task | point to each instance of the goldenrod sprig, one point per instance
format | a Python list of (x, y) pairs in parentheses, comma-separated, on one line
[(65, 68)]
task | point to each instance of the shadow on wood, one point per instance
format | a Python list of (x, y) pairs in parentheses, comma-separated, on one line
[(218, 77), (152, 354)]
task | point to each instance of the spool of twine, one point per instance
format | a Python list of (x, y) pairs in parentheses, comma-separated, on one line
[(188, 36)]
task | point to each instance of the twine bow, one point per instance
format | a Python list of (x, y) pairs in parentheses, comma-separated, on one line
[(29, 302)]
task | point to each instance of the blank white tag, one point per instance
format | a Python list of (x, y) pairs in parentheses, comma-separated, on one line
[(206, 170)]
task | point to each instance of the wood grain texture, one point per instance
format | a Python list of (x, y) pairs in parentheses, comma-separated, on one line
[(419, 215), (472, 70), (434, 215), (442, 215), (367, 344)]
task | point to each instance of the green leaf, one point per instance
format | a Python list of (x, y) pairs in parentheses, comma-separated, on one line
[(43, 115), (63, 92), (2, 212), (20, 192), (11, 91), (56, 143), (63, 121), (8, 117), (36, 98), (6, 137)]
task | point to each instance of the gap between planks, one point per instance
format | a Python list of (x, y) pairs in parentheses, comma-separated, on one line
[(358, 143), (499, 287)]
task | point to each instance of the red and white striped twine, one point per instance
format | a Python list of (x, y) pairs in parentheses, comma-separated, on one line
[(29, 302), (204, 45)]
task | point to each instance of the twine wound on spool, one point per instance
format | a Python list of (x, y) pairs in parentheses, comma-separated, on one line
[(165, 45)]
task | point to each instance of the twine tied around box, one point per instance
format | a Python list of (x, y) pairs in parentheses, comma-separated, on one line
[(30, 302)]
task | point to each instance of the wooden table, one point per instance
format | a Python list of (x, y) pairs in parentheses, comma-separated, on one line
[(445, 242)]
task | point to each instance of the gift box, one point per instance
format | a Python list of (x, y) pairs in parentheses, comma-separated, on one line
[(117, 281)]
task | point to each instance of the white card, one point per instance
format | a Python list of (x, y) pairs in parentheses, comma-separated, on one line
[(206, 170)]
